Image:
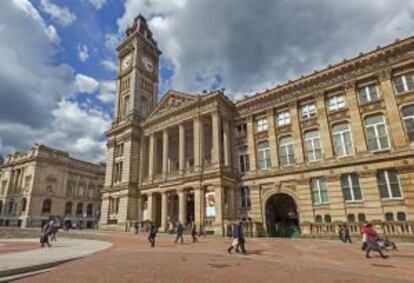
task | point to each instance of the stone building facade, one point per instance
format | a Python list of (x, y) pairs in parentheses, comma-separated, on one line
[(331, 147), (44, 182)]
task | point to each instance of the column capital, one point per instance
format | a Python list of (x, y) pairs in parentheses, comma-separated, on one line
[(319, 94), (293, 104), (350, 86), (385, 74)]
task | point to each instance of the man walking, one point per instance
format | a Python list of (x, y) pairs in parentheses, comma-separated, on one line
[(46, 230), (241, 238), (347, 235), (180, 230), (235, 236), (194, 232), (152, 235)]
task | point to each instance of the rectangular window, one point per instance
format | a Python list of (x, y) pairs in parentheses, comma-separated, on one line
[(286, 152), (261, 124), (404, 83), (350, 187), (242, 130), (263, 153), (313, 146), (308, 111), (408, 118), (336, 102), (376, 132), (368, 93), (244, 160), (245, 197), (341, 135), (319, 191), (388, 184), (283, 118)]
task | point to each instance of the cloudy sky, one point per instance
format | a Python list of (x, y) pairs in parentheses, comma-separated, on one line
[(57, 58)]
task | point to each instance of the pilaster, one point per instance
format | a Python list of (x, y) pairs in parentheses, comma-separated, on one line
[(324, 130), (296, 133)]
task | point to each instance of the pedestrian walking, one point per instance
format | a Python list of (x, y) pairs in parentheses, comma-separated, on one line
[(347, 235), (53, 231), (341, 234), (194, 232), (235, 237), (152, 234), (201, 232), (372, 243), (364, 236), (44, 237), (180, 230), (242, 242), (136, 226)]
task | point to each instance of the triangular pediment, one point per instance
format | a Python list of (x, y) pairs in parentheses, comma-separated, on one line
[(172, 101)]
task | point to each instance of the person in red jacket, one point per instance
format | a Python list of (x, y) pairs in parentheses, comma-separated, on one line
[(372, 243)]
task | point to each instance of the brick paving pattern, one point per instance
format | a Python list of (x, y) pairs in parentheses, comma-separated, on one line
[(269, 260)]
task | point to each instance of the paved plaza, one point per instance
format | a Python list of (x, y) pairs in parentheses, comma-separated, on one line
[(130, 259)]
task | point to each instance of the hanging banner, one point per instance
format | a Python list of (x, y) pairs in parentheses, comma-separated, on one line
[(210, 204)]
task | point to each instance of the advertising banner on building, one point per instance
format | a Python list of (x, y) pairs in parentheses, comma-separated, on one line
[(210, 204)]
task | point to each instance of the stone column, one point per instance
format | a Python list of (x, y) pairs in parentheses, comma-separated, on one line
[(251, 146), (272, 139), (231, 204), (369, 186), (324, 131), (181, 147), (218, 222), (226, 143), (296, 133), (336, 198), (164, 211), (165, 152), (198, 205), (151, 207), (151, 161), (357, 127), (216, 139), (395, 125), (198, 129), (182, 206), (305, 205)]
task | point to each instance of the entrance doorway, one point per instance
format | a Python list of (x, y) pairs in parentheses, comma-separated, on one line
[(190, 208), (281, 216)]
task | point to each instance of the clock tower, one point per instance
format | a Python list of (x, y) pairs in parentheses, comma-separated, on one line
[(136, 97)]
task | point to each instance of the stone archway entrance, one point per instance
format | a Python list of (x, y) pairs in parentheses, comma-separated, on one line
[(281, 216)]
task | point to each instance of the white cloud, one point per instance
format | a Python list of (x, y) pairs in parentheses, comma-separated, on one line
[(112, 40), (86, 84), (31, 12), (109, 65), (97, 4), (83, 52), (107, 91), (253, 45), (61, 15)]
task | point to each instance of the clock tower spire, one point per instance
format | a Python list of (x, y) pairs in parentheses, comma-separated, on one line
[(136, 97)]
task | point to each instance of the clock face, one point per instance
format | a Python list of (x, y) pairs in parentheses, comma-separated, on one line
[(126, 62), (147, 63)]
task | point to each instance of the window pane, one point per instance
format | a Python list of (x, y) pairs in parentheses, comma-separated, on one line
[(399, 85), (401, 216), (410, 82), (382, 184), (345, 187), (361, 217)]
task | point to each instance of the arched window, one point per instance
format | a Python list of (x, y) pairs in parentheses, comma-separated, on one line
[(313, 145), (10, 206), (24, 202), (351, 218), (79, 209), (327, 218), (263, 152), (389, 216), (376, 132), (286, 153), (361, 217), (408, 117), (401, 216), (47, 206), (341, 135), (318, 219), (68, 208), (89, 210)]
